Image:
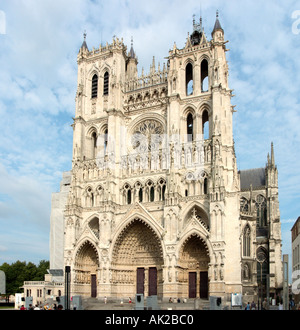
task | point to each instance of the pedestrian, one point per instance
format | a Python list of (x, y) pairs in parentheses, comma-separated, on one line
[(36, 308), (247, 308), (30, 307), (129, 300), (253, 306), (265, 304), (170, 300), (22, 308), (105, 300)]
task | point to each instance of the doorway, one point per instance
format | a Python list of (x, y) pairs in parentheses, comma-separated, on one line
[(140, 278), (192, 284), (193, 268), (93, 286), (152, 290), (204, 285)]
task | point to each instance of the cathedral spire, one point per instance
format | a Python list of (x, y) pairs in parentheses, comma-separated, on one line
[(272, 155), (84, 44), (132, 53), (217, 24)]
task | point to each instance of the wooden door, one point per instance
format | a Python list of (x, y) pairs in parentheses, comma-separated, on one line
[(140, 278), (93, 286), (204, 285), (152, 281), (192, 284)]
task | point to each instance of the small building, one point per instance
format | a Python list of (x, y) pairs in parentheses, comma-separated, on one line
[(296, 260), (45, 291)]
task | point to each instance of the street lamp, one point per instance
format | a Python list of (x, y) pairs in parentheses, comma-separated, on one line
[(285, 281), (67, 287)]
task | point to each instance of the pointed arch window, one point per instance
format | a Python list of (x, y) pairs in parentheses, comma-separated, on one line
[(161, 189), (261, 211), (105, 140), (204, 76), (106, 83), (152, 194), (95, 86), (94, 145), (205, 186), (262, 266), (205, 125), (127, 194), (141, 195), (244, 205), (189, 79), (129, 197), (246, 272), (246, 241), (190, 127), (149, 191)]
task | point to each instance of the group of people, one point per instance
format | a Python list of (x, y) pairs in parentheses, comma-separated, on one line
[(174, 300), (41, 308), (129, 300), (251, 306), (265, 305)]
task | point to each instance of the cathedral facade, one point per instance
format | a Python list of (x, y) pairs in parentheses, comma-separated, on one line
[(156, 203)]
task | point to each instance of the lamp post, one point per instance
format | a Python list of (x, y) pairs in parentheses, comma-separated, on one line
[(67, 287), (285, 281)]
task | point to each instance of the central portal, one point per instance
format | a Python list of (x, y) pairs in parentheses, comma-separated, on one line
[(137, 261)]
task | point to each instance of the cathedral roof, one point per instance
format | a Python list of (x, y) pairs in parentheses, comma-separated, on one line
[(255, 177)]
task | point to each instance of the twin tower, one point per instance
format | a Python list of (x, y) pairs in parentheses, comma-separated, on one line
[(156, 203)]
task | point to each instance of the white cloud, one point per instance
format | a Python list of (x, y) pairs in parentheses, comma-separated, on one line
[(38, 83)]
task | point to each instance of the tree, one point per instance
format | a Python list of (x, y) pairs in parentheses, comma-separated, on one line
[(18, 272)]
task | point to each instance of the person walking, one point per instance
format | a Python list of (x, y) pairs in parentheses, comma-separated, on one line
[(247, 308), (265, 305), (253, 306)]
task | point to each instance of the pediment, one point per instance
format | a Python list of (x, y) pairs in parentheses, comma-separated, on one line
[(137, 210), (196, 223)]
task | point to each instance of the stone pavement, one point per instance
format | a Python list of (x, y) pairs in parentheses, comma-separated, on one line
[(98, 304)]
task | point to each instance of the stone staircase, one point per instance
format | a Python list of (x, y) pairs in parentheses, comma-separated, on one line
[(117, 304)]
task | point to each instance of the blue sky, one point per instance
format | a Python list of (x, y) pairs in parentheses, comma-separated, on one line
[(39, 42)]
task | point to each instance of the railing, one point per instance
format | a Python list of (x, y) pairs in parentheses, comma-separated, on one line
[(190, 156), (152, 79), (42, 283)]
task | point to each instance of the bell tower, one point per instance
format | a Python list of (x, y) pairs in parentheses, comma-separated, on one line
[(200, 111)]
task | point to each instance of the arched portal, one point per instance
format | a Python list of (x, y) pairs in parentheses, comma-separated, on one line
[(137, 261), (86, 269), (193, 268)]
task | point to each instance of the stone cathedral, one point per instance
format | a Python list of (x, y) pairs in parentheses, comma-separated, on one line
[(156, 203)]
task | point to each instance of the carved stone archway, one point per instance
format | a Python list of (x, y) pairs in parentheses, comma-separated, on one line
[(193, 264), (137, 261), (86, 270)]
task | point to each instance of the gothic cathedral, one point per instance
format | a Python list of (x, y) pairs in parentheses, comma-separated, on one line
[(156, 204)]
